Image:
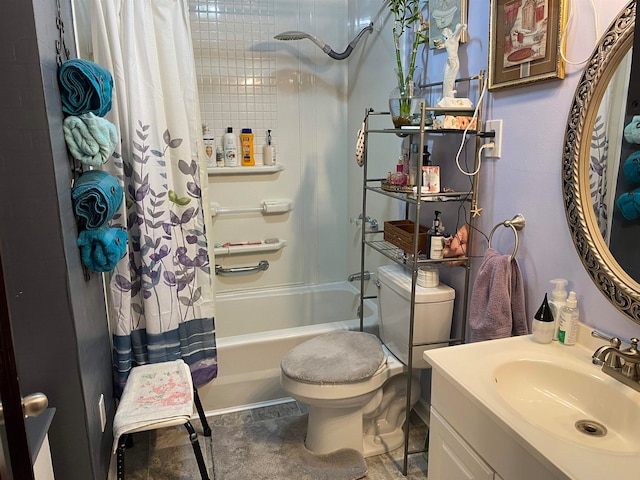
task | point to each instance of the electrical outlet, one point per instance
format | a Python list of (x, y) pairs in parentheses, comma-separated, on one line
[(496, 150), (103, 413)]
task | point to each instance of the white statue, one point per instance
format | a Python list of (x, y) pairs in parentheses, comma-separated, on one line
[(451, 42)]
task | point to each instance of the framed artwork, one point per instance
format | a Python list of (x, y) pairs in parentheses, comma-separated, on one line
[(524, 42), (445, 14)]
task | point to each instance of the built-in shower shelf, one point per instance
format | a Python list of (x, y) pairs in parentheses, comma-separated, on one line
[(258, 169), (250, 248)]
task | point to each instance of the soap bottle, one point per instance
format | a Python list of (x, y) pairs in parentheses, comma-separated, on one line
[(229, 146), (558, 300), (436, 239), (543, 323), (568, 331), (209, 146), (246, 144), (268, 151)]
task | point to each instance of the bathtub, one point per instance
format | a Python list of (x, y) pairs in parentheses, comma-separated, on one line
[(254, 330)]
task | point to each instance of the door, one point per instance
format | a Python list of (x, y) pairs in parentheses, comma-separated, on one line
[(15, 459)]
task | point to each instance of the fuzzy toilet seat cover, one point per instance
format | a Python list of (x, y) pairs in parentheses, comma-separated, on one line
[(336, 357)]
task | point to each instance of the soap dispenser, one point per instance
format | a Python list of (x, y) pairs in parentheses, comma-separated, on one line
[(543, 323), (436, 238), (558, 300)]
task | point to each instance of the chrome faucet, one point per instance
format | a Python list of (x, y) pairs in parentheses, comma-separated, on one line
[(356, 276), (621, 364)]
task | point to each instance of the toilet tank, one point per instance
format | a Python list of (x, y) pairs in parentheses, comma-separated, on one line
[(432, 320)]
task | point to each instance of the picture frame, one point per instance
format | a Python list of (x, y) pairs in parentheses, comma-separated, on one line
[(524, 42), (445, 14)]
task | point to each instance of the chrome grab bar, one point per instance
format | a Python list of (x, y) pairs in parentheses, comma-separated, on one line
[(261, 266)]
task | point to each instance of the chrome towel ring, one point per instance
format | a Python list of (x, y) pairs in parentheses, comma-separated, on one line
[(516, 223)]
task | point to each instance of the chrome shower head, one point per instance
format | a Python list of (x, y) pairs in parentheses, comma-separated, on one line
[(296, 35)]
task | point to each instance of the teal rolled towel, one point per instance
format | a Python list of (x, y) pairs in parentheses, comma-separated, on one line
[(84, 87), (103, 248), (90, 139), (96, 197)]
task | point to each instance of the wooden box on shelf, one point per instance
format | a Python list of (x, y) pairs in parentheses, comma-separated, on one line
[(401, 234)]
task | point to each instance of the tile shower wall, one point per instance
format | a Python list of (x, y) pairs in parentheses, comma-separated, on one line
[(236, 65), (249, 80)]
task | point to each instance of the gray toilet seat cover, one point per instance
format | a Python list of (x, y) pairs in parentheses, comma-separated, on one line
[(336, 357)]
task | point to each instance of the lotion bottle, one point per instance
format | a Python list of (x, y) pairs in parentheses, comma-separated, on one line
[(230, 149), (558, 300), (568, 331)]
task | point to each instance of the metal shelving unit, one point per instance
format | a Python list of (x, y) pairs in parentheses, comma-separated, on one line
[(371, 239)]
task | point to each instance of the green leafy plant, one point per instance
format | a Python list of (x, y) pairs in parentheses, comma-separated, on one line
[(408, 18)]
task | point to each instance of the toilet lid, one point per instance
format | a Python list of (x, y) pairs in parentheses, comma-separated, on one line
[(336, 357)]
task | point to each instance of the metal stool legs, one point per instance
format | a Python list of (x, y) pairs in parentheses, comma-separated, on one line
[(205, 425), (193, 436)]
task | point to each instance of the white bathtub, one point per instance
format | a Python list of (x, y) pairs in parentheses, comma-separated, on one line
[(255, 330)]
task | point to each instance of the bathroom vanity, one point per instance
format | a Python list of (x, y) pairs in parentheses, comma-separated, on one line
[(513, 409)]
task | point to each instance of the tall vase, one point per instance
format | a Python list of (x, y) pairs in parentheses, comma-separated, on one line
[(403, 103)]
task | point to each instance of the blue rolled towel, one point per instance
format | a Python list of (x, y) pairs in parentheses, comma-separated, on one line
[(90, 139), (629, 204), (631, 168), (96, 197), (85, 87), (101, 249)]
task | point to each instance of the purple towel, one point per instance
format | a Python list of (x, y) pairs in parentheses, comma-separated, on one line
[(497, 307)]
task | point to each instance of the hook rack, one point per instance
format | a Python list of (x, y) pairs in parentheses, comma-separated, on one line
[(516, 223)]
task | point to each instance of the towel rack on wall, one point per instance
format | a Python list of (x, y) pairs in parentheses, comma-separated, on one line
[(267, 207), (516, 223)]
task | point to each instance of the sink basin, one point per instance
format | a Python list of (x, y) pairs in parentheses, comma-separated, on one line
[(579, 406)]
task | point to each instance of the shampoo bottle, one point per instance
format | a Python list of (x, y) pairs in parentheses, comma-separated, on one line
[(268, 151), (558, 300), (543, 323), (246, 143), (209, 146), (568, 330), (229, 146)]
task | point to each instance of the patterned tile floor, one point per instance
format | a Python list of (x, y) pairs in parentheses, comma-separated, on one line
[(167, 454)]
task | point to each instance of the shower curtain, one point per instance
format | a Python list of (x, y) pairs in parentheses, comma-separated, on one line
[(606, 144), (160, 295)]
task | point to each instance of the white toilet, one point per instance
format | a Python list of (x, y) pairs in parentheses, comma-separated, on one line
[(355, 386)]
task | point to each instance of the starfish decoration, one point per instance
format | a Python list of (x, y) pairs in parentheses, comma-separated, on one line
[(475, 212)]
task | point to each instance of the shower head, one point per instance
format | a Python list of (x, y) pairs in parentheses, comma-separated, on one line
[(296, 35)]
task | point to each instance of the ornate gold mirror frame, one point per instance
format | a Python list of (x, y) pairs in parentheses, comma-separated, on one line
[(621, 290)]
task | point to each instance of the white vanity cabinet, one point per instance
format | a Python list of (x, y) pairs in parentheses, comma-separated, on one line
[(468, 442), (450, 457)]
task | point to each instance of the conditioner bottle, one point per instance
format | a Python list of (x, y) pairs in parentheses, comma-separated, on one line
[(568, 331), (230, 149)]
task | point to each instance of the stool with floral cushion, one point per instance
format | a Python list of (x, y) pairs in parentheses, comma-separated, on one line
[(158, 395)]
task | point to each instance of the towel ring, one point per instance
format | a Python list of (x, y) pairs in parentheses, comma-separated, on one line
[(516, 223)]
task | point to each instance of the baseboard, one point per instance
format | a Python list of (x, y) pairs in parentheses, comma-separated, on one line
[(422, 410)]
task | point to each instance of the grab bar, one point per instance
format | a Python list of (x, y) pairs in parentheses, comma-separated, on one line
[(261, 266)]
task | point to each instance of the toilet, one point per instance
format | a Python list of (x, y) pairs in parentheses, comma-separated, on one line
[(354, 383)]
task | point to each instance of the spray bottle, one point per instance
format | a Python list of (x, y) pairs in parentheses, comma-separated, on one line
[(558, 300), (568, 329)]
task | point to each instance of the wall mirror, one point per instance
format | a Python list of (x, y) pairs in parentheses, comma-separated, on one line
[(592, 168)]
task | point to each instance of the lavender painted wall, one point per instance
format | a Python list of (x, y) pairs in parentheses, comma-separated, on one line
[(527, 179)]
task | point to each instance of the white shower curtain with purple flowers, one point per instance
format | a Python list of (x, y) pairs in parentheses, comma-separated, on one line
[(161, 294)]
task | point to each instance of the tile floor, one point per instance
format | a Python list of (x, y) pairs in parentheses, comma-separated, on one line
[(167, 454)]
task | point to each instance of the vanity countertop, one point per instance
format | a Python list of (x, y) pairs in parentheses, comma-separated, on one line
[(472, 370)]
